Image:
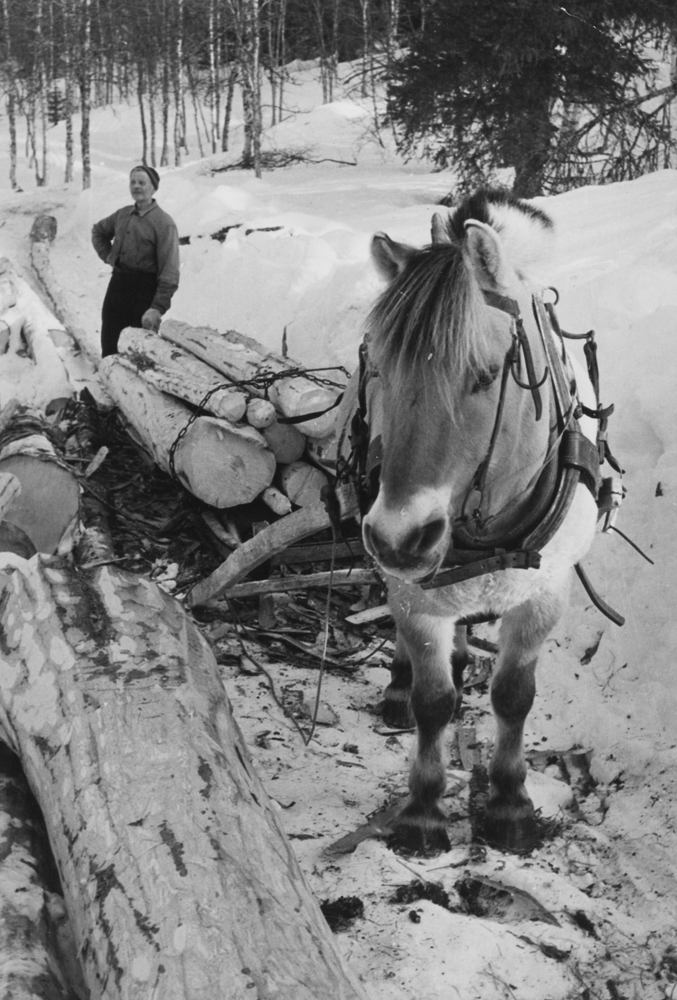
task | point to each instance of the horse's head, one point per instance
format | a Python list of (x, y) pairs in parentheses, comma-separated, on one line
[(441, 352)]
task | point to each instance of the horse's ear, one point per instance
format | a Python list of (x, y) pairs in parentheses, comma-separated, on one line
[(389, 257), (438, 230), (487, 255)]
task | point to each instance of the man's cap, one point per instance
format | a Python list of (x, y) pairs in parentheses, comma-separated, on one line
[(152, 173)]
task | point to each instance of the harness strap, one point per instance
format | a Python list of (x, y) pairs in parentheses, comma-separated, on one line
[(598, 601), (301, 418), (517, 559)]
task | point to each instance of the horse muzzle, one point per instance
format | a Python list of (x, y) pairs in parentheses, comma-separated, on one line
[(411, 553)]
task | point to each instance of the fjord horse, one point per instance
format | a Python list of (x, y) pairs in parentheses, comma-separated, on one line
[(475, 512)]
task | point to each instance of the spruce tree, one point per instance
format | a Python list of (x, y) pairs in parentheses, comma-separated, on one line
[(554, 91)]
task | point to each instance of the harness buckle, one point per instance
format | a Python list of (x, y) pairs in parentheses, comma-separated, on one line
[(611, 496)]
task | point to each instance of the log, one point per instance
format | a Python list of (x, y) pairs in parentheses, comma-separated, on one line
[(323, 451), (55, 295), (302, 483), (172, 370), (278, 502), (37, 951), (30, 364), (176, 872), (266, 544), (260, 413), (46, 507), (11, 315), (285, 584), (221, 463), (8, 289), (242, 358), (285, 441)]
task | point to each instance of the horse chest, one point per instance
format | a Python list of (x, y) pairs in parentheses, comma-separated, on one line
[(493, 593)]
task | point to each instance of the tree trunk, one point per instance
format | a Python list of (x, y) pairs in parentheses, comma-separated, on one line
[(12, 101), (213, 79), (172, 370), (164, 155), (86, 92), (179, 110), (242, 358), (177, 875), (230, 92), (142, 114), (220, 463)]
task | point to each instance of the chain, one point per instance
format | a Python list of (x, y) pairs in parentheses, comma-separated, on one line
[(261, 382)]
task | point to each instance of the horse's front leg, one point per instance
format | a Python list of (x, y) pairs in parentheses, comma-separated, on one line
[(421, 825), (509, 820), (397, 711)]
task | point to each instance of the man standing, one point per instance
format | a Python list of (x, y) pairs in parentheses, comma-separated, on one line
[(141, 243)]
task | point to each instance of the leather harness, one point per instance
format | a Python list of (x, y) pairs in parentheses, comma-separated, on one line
[(571, 459)]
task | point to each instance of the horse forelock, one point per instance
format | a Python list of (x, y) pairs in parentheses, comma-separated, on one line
[(431, 321)]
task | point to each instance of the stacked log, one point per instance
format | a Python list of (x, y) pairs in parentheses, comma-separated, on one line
[(212, 408)]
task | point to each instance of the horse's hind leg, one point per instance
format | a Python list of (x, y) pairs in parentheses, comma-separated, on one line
[(509, 820), (421, 825)]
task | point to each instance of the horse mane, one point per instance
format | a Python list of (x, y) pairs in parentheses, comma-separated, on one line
[(432, 318)]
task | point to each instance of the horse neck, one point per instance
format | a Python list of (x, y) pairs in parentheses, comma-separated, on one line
[(523, 442)]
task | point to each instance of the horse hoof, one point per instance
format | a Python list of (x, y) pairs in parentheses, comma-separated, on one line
[(396, 710), (518, 835), (421, 833)]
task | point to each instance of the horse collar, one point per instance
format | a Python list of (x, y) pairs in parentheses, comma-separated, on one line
[(571, 458)]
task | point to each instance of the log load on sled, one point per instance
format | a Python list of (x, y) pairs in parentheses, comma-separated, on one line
[(223, 414)]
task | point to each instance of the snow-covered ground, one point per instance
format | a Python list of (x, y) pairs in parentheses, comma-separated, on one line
[(297, 259)]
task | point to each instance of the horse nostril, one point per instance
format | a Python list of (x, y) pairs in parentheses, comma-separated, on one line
[(430, 534)]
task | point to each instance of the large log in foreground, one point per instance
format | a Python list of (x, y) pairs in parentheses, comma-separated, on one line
[(179, 880)]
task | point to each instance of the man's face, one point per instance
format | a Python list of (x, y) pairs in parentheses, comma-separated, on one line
[(140, 187)]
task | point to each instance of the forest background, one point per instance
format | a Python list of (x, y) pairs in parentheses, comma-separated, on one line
[(562, 95)]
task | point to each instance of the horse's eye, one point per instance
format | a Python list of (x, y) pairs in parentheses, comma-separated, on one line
[(485, 379)]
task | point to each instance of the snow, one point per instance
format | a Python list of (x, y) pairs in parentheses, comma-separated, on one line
[(298, 262)]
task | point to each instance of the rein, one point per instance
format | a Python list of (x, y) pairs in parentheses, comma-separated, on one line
[(566, 450)]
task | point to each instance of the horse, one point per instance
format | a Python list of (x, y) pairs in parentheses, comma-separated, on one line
[(481, 470)]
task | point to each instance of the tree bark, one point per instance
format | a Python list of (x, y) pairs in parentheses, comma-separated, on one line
[(219, 462), (241, 358), (177, 875), (168, 367), (34, 925), (86, 92)]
